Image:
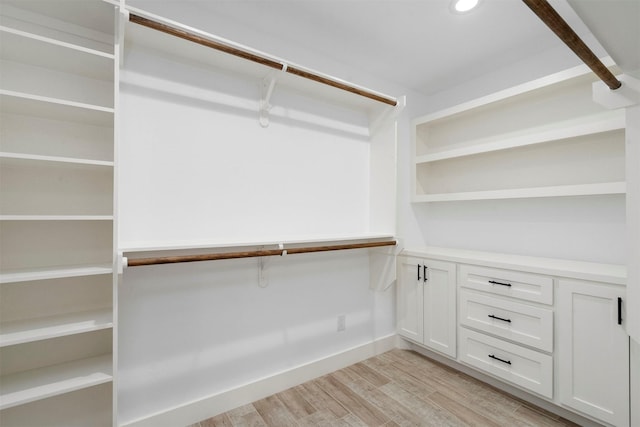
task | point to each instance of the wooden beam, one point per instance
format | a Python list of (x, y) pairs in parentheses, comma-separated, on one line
[(251, 254), (559, 26)]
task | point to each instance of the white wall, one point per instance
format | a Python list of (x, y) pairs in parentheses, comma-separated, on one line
[(194, 156), (190, 331), (194, 164)]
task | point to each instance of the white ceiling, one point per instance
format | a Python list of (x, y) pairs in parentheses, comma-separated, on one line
[(419, 44), (616, 24)]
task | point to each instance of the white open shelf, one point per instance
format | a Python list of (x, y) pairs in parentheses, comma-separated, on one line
[(13, 102), (55, 159), (28, 330), (592, 124), (36, 139), (24, 47), (38, 190), (35, 384), (544, 140), (28, 275)]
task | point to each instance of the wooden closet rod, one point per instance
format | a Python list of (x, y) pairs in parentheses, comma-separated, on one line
[(250, 254), (269, 62), (554, 21)]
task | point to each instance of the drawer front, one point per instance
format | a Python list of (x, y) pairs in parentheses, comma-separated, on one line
[(521, 366), (515, 284), (522, 323)]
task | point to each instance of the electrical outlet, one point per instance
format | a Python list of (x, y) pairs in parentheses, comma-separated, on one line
[(342, 322)]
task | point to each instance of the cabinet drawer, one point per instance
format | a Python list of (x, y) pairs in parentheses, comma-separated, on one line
[(521, 366), (522, 323), (525, 286)]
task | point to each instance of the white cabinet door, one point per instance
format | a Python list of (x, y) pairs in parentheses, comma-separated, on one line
[(409, 286), (439, 302), (594, 351)]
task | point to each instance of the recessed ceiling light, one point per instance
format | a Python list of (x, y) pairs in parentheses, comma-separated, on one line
[(462, 6)]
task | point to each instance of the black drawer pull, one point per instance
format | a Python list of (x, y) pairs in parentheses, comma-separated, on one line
[(508, 362), (499, 283), (499, 318), (424, 273), (418, 272)]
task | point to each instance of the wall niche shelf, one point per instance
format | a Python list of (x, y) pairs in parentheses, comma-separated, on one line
[(541, 139)]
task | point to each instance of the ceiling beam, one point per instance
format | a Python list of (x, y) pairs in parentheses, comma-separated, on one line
[(559, 26)]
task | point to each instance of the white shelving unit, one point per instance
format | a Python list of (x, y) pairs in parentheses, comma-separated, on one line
[(552, 141), (56, 211)]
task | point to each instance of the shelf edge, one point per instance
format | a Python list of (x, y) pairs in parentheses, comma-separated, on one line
[(55, 273), (55, 159), (525, 193)]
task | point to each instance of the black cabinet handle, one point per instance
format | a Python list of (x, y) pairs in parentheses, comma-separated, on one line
[(424, 273), (508, 362), (499, 283), (419, 272), (619, 311), (499, 318)]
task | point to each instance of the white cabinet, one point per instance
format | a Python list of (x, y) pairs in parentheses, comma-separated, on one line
[(524, 367), (56, 212), (522, 323), (506, 325), (459, 155), (552, 327), (594, 350), (409, 298), (427, 303)]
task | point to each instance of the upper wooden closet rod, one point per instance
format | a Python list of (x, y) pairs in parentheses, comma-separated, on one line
[(178, 32), (250, 254), (554, 21)]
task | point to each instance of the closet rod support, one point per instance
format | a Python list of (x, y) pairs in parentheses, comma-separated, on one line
[(268, 84)]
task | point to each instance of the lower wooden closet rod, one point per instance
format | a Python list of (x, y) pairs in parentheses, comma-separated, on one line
[(250, 254)]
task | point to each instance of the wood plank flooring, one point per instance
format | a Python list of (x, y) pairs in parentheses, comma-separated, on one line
[(397, 388)]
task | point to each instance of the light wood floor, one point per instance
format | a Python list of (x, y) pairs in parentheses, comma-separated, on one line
[(397, 388)]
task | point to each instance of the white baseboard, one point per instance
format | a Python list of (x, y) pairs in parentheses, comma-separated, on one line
[(207, 407)]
